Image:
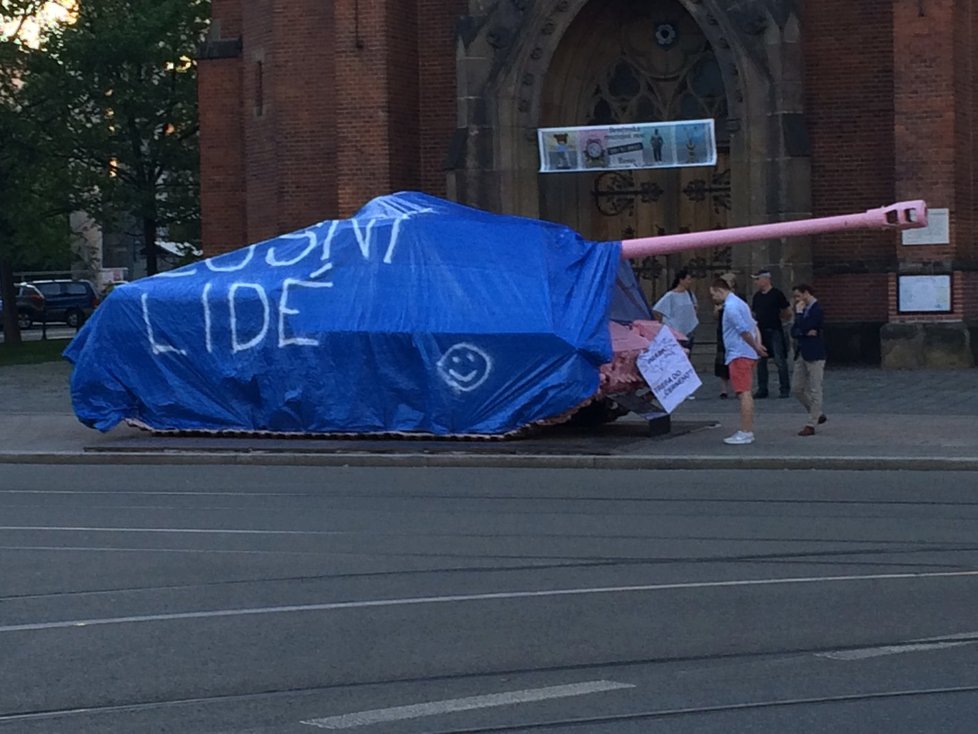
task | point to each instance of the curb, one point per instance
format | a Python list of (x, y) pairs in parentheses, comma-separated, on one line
[(497, 461)]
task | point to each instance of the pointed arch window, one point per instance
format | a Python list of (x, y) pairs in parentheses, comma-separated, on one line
[(677, 77)]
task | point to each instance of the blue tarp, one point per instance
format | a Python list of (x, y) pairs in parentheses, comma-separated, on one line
[(627, 300), (416, 315)]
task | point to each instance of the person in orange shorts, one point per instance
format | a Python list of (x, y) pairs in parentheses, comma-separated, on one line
[(742, 347)]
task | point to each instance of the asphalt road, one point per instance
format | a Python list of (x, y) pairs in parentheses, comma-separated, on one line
[(242, 599)]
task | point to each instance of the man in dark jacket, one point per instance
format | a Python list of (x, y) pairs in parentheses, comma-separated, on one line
[(770, 308), (809, 355)]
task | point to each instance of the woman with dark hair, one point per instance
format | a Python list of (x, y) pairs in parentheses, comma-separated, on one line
[(677, 308)]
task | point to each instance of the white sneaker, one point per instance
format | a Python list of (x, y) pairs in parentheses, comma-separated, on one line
[(739, 438)]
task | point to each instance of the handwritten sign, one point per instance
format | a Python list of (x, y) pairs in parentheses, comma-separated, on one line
[(667, 369)]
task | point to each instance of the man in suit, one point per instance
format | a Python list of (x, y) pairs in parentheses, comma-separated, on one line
[(809, 355)]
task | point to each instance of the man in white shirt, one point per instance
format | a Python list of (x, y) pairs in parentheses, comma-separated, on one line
[(742, 343)]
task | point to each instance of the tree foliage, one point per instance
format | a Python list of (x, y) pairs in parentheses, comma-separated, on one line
[(97, 114), (25, 191), (33, 190), (112, 98)]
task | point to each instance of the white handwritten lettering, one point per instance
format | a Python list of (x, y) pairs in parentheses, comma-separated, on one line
[(284, 310), (207, 318), (247, 333), (313, 244), (327, 251), (363, 239), (395, 231), (236, 345), (213, 262), (156, 346)]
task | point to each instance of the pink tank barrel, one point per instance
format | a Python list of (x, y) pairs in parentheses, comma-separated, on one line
[(904, 215)]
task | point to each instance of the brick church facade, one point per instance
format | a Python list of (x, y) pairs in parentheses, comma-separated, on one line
[(309, 108)]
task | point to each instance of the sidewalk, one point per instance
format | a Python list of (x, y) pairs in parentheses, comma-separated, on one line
[(877, 420)]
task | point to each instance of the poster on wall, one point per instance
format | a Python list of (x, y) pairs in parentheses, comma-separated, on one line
[(937, 231), (924, 294), (615, 147)]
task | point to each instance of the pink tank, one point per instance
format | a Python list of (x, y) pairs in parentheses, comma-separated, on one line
[(621, 375)]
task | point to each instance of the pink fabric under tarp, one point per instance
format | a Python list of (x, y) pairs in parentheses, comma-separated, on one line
[(628, 341)]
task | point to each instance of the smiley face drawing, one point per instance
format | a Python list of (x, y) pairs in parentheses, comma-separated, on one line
[(464, 367)]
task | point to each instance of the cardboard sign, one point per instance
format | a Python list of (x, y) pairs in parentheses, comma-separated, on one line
[(667, 369)]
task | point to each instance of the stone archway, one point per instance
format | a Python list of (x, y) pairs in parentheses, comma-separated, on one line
[(626, 61), (506, 55)]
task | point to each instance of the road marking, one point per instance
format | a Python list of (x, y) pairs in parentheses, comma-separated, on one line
[(930, 643), (150, 493), (201, 531), (93, 549), (434, 708), (503, 595)]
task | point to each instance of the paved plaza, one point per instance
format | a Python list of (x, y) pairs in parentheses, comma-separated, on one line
[(877, 418)]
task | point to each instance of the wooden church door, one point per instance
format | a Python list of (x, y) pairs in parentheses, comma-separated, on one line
[(630, 61)]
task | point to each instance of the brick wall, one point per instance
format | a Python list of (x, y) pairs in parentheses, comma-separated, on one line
[(437, 91), (965, 82), (891, 105), (227, 17), (934, 134), (259, 114), (362, 104), (222, 164), (969, 294), (926, 109), (302, 90), (849, 102), (853, 297), (328, 106), (221, 155), (973, 92), (403, 72), (359, 100), (288, 108)]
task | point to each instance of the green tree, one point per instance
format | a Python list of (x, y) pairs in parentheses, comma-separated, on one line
[(112, 98), (33, 202)]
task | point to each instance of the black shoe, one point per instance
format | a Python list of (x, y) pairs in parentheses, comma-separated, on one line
[(822, 419), (760, 395), (784, 395)]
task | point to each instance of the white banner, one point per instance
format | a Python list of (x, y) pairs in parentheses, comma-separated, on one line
[(617, 147), (667, 369)]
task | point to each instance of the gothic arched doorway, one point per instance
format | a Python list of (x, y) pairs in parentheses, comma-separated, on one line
[(629, 61)]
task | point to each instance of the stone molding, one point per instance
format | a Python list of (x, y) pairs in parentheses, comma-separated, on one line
[(505, 50)]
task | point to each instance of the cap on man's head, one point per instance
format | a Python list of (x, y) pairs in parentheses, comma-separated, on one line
[(761, 274)]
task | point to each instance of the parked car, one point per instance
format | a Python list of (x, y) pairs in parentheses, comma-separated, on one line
[(30, 305), (71, 301)]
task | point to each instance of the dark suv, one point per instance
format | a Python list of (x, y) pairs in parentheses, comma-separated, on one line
[(30, 305), (71, 301)]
